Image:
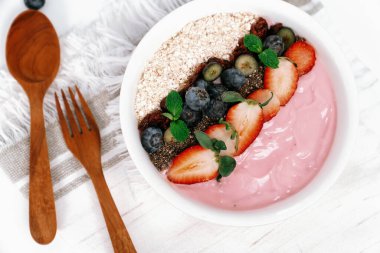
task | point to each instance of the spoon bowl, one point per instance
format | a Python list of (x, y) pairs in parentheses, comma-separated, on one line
[(33, 58), (32, 49)]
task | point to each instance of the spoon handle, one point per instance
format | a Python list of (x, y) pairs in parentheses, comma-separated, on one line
[(42, 219)]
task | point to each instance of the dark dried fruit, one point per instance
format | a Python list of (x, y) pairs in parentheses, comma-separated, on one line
[(156, 119), (275, 28), (260, 28)]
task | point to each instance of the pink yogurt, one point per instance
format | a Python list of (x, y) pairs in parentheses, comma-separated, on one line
[(285, 157)]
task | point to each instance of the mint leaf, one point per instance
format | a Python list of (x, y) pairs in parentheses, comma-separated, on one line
[(174, 104), (219, 145), (204, 140), (269, 58), (232, 97), (168, 115), (267, 102), (179, 130), (253, 43), (227, 164)]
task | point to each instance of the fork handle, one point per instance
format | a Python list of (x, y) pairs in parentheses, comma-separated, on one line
[(121, 241), (42, 218)]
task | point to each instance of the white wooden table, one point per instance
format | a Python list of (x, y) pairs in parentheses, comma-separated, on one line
[(346, 219)]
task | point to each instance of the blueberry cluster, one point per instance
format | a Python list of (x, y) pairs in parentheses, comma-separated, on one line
[(204, 97)]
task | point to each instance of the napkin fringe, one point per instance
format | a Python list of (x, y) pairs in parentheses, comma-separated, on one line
[(94, 59)]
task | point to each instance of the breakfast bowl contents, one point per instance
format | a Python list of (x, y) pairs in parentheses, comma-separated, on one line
[(237, 112), (220, 120)]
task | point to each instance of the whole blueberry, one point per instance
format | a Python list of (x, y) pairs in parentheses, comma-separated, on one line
[(215, 91), (197, 98), (216, 109), (201, 84), (233, 78), (34, 4), (152, 139), (276, 43), (190, 117)]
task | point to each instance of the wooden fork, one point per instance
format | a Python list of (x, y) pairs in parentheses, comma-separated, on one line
[(84, 142)]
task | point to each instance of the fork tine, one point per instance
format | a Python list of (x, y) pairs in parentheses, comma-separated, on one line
[(86, 109), (61, 117), (70, 116), (78, 113)]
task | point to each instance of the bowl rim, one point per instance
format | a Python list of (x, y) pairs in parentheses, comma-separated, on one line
[(347, 113)]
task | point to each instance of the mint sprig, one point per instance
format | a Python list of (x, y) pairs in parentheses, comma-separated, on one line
[(268, 57), (227, 164), (235, 97), (178, 127)]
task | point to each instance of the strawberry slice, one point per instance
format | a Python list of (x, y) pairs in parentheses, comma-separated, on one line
[(220, 132), (248, 121), (282, 80), (194, 165), (272, 108), (303, 54)]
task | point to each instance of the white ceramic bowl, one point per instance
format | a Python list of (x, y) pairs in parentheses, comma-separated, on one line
[(328, 52)]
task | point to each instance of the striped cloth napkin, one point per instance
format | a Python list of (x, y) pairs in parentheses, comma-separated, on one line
[(95, 58)]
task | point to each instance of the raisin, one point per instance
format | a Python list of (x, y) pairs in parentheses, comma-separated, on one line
[(299, 38), (275, 28), (156, 119), (260, 28)]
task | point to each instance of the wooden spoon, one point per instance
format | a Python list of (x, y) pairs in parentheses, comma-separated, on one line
[(33, 58)]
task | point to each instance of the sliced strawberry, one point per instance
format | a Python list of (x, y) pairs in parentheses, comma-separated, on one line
[(248, 121), (303, 54), (272, 108), (194, 165), (282, 80), (220, 132)]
